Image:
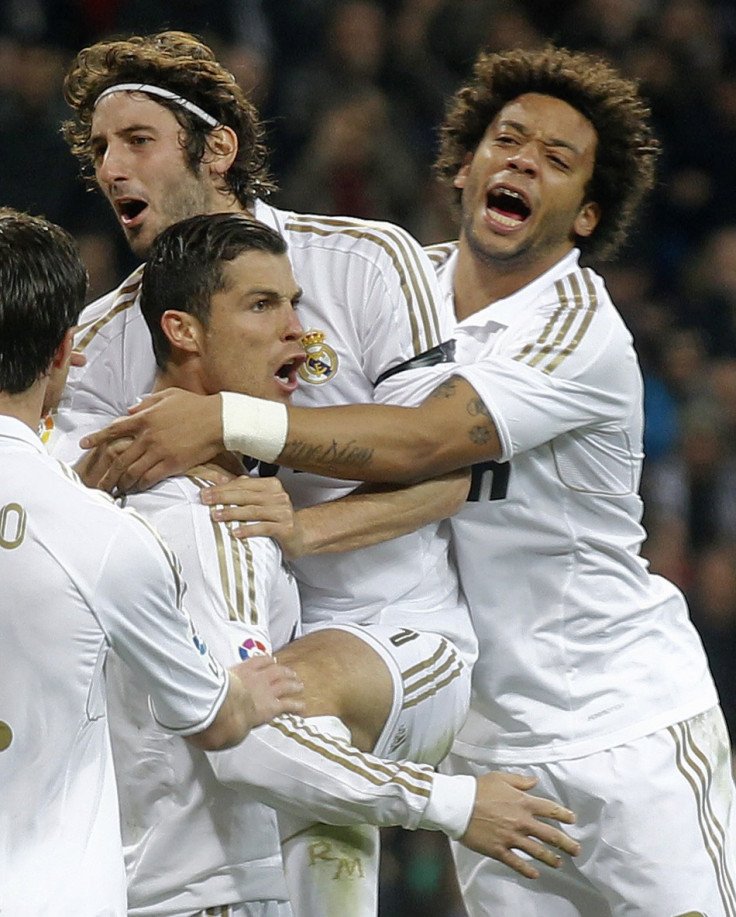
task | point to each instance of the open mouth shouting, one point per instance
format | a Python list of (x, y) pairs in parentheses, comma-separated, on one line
[(507, 208), (286, 374), (130, 210)]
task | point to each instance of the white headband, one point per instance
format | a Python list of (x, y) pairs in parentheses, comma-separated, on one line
[(164, 93)]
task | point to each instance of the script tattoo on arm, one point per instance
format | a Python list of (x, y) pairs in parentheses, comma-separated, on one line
[(335, 454)]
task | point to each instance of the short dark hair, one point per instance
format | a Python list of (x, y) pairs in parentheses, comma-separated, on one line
[(181, 63), (184, 267), (627, 149), (43, 284)]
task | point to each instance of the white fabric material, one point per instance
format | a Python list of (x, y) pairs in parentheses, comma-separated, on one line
[(661, 844), (67, 599), (333, 871), (581, 647), (450, 805), (370, 291), (162, 93), (190, 842), (253, 426), (431, 691), (337, 784)]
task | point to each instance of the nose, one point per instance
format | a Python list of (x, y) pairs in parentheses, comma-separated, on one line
[(524, 159), (293, 330), (111, 167)]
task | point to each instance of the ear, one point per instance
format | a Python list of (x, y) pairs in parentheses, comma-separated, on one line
[(222, 148), (587, 219), (183, 331), (462, 175), (63, 355)]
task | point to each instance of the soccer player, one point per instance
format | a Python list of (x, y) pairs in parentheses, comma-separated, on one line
[(167, 134), (67, 600), (218, 295), (591, 675)]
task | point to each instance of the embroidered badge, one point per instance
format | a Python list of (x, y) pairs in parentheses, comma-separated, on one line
[(321, 362), (251, 647)]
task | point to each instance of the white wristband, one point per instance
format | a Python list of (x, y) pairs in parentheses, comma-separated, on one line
[(253, 426), (450, 805)]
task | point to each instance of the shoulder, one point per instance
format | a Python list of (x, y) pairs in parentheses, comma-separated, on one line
[(439, 253), (105, 314), (373, 239)]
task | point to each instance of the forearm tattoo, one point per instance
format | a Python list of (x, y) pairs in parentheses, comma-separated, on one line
[(299, 454)]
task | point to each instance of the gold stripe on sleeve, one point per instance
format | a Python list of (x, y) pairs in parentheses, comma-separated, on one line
[(125, 298), (420, 305), (374, 771), (567, 326)]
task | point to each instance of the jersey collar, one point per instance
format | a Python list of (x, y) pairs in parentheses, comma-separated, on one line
[(503, 311)]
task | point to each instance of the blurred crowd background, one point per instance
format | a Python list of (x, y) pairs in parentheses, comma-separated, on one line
[(352, 92)]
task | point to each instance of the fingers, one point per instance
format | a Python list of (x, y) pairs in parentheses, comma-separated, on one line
[(213, 474), (507, 821), (119, 428), (244, 491), (273, 688)]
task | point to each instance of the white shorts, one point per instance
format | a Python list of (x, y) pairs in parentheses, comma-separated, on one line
[(656, 820), (431, 691)]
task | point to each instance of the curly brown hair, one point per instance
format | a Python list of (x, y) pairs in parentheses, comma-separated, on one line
[(179, 62), (627, 149)]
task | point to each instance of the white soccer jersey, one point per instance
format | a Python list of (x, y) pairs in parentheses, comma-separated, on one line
[(369, 304), (581, 648), (79, 577), (191, 843)]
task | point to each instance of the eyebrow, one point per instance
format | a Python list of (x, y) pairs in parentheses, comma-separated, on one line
[(131, 129), (522, 129), (273, 294)]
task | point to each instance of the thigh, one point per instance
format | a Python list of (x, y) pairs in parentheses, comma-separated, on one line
[(656, 822), (431, 692)]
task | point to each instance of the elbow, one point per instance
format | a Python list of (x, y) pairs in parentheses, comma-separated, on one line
[(422, 458)]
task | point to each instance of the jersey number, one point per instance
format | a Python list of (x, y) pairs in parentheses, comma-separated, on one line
[(489, 481), (12, 525)]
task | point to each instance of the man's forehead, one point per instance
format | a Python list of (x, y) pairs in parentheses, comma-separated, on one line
[(260, 269), (133, 107), (538, 105), (558, 122)]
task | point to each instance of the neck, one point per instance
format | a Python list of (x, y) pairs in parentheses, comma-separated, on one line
[(184, 376), (480, 282), (26, 406)]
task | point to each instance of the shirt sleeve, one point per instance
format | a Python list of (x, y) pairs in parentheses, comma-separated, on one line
[(400, 304), (138, 601), (294, 766)]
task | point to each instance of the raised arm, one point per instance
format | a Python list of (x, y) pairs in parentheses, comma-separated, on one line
[(174, 430), (371, 514)]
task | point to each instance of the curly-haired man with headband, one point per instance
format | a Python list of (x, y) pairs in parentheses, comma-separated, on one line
[(590, 675), (168, 135)]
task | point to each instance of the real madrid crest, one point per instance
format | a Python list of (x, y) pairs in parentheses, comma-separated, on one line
[(321, 362)]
